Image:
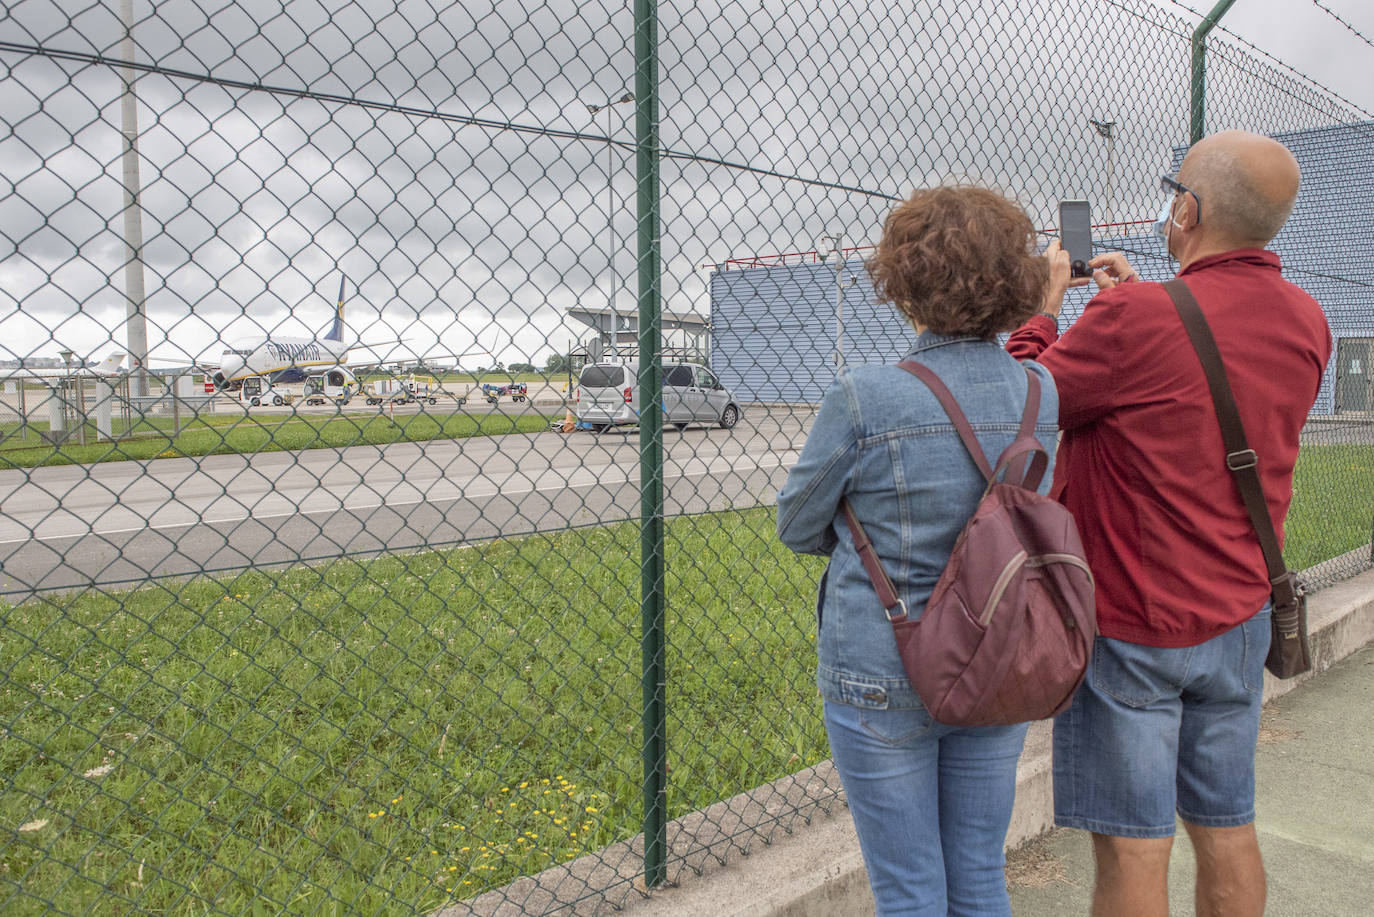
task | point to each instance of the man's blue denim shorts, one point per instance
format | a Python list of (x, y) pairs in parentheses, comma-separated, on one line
[(1156, 731)]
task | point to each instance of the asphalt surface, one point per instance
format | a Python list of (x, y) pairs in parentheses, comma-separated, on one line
[(1314, 805), (119, 524)]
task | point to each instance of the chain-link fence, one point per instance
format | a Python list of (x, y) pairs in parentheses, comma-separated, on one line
[(426, 589)]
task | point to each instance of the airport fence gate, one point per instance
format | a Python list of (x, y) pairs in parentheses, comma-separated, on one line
[(400, 640)]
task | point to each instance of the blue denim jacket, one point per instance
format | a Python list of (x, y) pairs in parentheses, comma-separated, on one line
[(882, 440)]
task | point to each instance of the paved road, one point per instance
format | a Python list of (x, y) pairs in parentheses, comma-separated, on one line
[(119, 524), (1314, 774)]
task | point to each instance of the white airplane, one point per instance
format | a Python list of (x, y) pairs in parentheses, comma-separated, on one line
[(286, 359), (109, 366)]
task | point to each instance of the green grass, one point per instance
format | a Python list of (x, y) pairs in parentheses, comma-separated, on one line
[(226, 434), (396, 734), (401, 733), (1333, 503)]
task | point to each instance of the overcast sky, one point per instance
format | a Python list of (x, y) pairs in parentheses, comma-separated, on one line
[(1302, 35), (466, 237)]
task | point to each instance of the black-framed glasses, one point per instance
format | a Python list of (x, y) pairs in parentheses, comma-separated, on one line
[(1172, 185)]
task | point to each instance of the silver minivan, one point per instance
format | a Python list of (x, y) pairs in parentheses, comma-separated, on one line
[(608, 395)]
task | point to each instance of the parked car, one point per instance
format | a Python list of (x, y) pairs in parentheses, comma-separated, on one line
[(608, 395)]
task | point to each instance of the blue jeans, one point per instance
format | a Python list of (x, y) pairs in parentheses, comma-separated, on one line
[(931, 804), (1153, 732)]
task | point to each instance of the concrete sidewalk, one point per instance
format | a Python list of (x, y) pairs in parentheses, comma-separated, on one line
[(1315, 778)]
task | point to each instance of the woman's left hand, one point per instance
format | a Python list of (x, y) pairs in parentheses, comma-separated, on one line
[(1061, 278)]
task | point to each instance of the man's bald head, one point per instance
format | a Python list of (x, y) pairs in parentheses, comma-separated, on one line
[(1247, 183)]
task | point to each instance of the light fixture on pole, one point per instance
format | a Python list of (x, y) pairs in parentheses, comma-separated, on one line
[(1107, 130), (840, 284), (137, 325), (610, 211)]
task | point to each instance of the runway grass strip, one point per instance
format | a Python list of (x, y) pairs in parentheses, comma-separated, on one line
[(395, 734), (212, 434)]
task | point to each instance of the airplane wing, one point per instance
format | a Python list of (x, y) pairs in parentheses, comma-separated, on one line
[(106, 367), (170, 368), (428, 356)]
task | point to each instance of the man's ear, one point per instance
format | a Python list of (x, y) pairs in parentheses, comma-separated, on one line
[(1185, 212)]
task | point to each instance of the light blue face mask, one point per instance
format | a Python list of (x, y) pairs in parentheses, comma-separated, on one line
[(1161, 225)]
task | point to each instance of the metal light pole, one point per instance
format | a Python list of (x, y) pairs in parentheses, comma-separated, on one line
[(1199, 83), (610, 212), (1107, 129), (133, 213), (839, 299)]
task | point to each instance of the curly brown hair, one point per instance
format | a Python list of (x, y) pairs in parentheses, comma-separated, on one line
[(960, 260)]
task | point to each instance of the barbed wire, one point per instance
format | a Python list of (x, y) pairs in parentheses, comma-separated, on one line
[(1162, 26), (1335, 16), (1279, 63), (1251, 68)]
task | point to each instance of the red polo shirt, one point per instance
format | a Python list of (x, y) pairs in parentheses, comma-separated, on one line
[(1141, 464)]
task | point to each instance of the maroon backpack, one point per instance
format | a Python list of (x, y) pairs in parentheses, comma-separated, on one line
[(1007, 633)]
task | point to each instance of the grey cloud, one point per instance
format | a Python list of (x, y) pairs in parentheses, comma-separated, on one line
[(254, 202)]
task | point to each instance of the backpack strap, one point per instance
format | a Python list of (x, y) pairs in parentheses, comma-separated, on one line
[(1014, 456), (956, 414), (877, 573), (1026, 443)]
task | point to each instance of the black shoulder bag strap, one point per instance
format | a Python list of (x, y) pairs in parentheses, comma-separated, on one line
[(1288, 650)]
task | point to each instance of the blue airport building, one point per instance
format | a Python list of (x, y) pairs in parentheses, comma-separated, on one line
[(774, 319)]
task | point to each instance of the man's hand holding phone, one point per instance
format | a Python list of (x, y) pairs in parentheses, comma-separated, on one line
[(1111, 269)]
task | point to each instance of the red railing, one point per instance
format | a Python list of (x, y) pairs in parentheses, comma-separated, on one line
[(812, 257), (816, 257)]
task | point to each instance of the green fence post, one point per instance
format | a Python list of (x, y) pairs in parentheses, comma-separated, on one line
[(1200, 66), (652, 599)]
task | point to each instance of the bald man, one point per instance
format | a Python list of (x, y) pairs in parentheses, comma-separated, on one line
[(1167, 719)]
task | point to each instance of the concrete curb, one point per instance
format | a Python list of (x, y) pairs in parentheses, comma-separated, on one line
[(611, 879), (816, 870)]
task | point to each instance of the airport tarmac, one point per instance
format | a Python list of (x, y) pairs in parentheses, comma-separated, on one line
[(118, 524)]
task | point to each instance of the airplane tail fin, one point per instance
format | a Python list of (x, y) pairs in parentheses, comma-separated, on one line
[(336, 333), (110, 364)]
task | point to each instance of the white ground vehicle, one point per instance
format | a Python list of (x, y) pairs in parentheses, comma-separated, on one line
[(379, 391), (258, 390), (422, 388), (337, 386), (403, 391), (608, 395)]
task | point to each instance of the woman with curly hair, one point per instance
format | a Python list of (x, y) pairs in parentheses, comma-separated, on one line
[(931, 803)]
